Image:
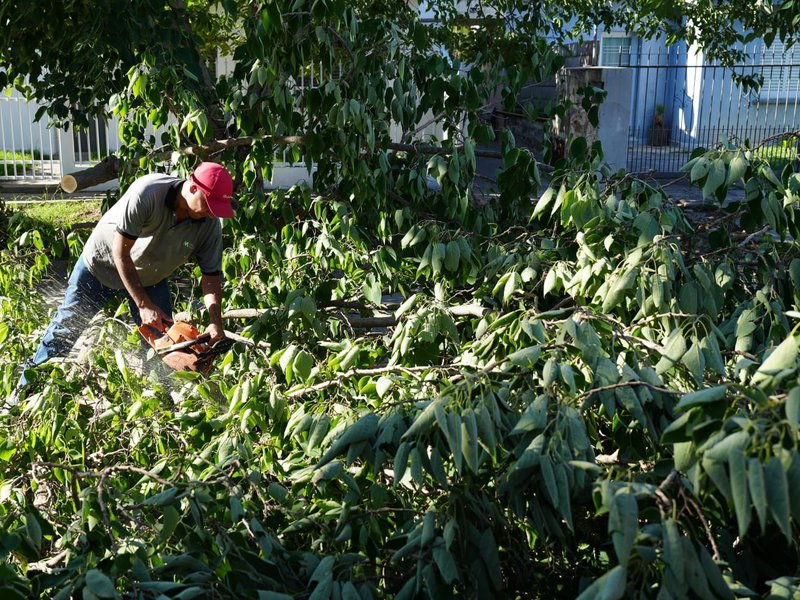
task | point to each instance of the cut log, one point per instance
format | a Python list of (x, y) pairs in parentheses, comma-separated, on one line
[(105, 170)]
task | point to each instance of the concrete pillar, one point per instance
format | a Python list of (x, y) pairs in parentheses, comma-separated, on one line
[(66, 152), (614, 114)]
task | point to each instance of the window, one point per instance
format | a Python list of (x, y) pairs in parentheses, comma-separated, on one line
[(781, 71), (615, 51)]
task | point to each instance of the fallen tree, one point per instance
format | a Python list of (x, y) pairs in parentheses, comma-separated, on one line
[(110, 167)]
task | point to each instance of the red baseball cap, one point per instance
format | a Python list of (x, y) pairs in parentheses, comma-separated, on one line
[(217, 184)]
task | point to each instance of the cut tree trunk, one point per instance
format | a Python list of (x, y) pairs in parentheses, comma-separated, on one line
[(105, 170)]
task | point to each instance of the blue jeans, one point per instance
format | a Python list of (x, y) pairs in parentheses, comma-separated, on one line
[(84, 297)]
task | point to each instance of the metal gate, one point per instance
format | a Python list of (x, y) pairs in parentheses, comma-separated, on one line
[(680, 102), (37, 151)]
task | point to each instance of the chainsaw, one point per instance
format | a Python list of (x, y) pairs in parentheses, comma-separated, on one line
[(183, 348)]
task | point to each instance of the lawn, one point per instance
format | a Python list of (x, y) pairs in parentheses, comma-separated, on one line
[(60, 213)]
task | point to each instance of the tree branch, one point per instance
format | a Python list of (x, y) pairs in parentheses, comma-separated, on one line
[(112, 167), (360, 373)]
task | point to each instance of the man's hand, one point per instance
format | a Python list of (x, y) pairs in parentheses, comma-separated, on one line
[(149, 313), (153, 316), (216, 332)]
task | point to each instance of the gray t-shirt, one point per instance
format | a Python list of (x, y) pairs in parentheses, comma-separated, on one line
[(146, 213)]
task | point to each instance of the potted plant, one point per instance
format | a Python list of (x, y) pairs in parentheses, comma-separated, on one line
[(659, 134)]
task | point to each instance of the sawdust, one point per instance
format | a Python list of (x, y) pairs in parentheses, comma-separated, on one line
[(103, 330)]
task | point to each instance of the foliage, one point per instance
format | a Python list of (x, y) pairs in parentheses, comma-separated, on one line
[(567, 388)]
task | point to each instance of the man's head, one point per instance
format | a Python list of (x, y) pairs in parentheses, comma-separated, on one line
[(210, 189)]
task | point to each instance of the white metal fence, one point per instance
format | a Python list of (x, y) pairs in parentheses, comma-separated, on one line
[(38, 151), (33, 150)]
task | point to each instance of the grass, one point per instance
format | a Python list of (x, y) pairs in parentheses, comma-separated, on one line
[(14, 163), (60, 214), (6, 155), (778, 156), (18, 163)]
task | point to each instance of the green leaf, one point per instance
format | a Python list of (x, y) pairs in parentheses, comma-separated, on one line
[(383, 385), (445, 564), (401, 461), (323, 569), (717, 473), (699, 169), (778, 495), (171, 519), (164, 498), (543, 202), (716, 177), (328, 472), (549, 479), (617, 292), (363, 429), (611, 586), (564, 495), (407, 303), (469, 152), (452, 255), (415, 235), (736, 168), (7, 450), (510, 286), (739, 489), (701, 397), (438, 254), (758, 490), (792, 407), (469, 441), (491, 558), (674, 350), (623, 525), (372, 289), (533, 417), (695, 576), (673, 550), (100, 585), (526, 357), (428, 528), (323, 589), (302, 365), (778, 364), (713, 354)]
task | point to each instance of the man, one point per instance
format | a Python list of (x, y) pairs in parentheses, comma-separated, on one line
[(155, 227)]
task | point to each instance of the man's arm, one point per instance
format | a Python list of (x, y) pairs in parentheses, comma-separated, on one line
[(149, 313), (212, 296)]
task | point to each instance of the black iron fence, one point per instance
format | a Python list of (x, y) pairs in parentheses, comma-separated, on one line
[(681, 101)]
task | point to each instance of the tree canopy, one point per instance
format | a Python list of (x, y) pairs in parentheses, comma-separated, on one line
[(559, 384)]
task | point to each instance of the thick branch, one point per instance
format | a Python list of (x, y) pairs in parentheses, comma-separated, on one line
[(463, 310), (105, 170), (110, 167)]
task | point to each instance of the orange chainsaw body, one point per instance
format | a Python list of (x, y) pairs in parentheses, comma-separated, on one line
[(182, 347)]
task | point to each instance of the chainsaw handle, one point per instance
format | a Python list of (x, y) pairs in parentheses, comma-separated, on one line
[(204, 337)]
